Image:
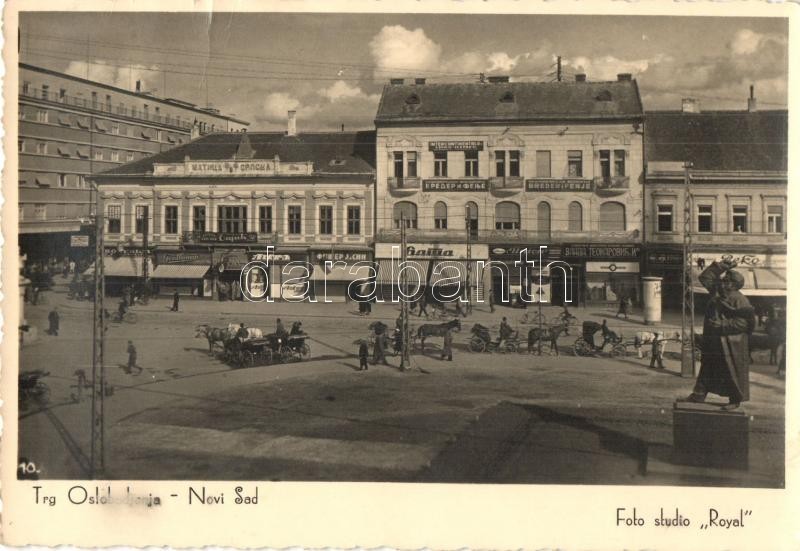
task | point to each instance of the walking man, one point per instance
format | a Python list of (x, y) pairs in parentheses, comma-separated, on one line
[(54, 320), (657, 351), (729, 322), (363, 354), (132, 359), (423, 306), (447, 349), (623, 306), (175, 299), (491, 302)]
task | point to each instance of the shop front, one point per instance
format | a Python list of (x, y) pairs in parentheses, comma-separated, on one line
[(511, 279), (604, 272), (334, 271), (448, 267), (122, 268), (184, 272), (286, 266), (227, 265)]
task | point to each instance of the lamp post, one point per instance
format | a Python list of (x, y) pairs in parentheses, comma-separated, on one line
[(97, 455), (687, 310)]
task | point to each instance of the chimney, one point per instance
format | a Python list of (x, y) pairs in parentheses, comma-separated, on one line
[(580, 77), (498, 79), (396, 81), (291, 127), (624, 77), (752, 106), (138, 86), (419, 81), (690, 105)]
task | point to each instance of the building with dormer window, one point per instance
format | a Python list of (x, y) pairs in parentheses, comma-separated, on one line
[(485, 169)]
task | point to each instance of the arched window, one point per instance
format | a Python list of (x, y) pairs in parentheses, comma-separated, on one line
[(471, 216), (408, 211), (612, 216), (440, 215), (543, 218), (506, 216), (575, 216)]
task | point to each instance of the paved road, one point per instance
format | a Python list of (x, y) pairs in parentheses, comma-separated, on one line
[(481, 418)]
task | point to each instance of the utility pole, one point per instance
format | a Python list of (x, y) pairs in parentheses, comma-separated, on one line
[(405, 356), (469, 261), (145, 246), (558, 69), (687, 310), (97, 457)]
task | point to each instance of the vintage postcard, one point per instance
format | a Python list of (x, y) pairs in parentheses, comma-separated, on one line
[(450, 274)]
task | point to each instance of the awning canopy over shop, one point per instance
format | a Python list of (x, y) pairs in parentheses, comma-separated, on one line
[(340, 273), (179, 271), (448, 269), (124, 266), (390, 275), (764, 282)]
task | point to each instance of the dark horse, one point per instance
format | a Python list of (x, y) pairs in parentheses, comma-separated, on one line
[(436, 330), (213, 335), (548, 334)]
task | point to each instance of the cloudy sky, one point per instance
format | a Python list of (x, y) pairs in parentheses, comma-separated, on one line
[(331, 68)]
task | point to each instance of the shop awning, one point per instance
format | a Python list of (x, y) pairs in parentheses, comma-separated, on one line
[(337, 272), (456, 268), (385, 276), (179, 271), (764, 282), (124, 266)]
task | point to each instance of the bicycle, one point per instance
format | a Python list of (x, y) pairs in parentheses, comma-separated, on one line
[(127, 317), (530, 318)]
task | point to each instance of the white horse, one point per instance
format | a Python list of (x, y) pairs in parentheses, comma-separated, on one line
[(642, 338)]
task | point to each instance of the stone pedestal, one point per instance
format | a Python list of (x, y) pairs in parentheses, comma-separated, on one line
[(706, 436)]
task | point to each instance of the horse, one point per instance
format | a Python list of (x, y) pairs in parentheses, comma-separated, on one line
[(642, 338), (775, 336), (549, 334), (213, 335), (436, 330)]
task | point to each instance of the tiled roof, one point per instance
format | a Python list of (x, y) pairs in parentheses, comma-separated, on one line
[(331, 152), (718, 140), (509, 101)]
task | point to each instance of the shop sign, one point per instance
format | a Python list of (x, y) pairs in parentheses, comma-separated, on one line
[(197, 259), (656, 258), (78, 241), (613, 267), (127, 251), (416, 251), (512, 252), (745, 260), (322, 257), (457, 145), (229, 260), (276, 258), (250, 167), (601, 251), (560, 185), (455, 185), (219, 237)]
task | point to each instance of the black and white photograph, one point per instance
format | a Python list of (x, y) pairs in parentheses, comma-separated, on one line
[(466, 250)]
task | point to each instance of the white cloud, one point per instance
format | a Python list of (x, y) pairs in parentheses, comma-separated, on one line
[(341, 90), (745, 42), (277, 104), (501, 61), (121, 77), (608, 67), (401, 51)]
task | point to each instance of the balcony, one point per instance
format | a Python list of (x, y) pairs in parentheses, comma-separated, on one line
[(607, 186), (505, 186), (518, 237), (403, 187), (739, 238)]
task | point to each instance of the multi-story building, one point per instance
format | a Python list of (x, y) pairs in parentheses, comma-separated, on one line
[(738, 189), (203, 210), (69, 128), (479, 171)]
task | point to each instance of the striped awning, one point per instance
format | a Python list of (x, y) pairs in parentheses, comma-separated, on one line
[(179, 271), (764, 282), (100, 125), (65, 150), (390, 275), (83, 122), (124, 266), (337, 272)]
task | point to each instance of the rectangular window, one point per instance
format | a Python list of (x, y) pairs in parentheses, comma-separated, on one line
[(114, 128), (575, 164), (94, 100), (354, 220), (605, 164), (296, 219), (325, 220), (619, 162), (471, 164), (129, 156), (199, 218), (62, 95), (543, 164), (62, 180), (513, 163), (440, 164), (141, 218), (232, 219), (265, 219), (41, 116), (705, 219), (45, 92), (40, 211), (774, 219), (98, 155), (41, 148), (81, 181), (26, 87), (107, 106), (500, 163), (398, 164), (665, 218), (740, 219), (171, 219), (115, 156), (411, 164), (114, 219)]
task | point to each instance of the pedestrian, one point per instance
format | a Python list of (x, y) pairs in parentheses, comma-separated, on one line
[(491, 302), (459, 309), (132, 359), (175, 299), (363, 354), (72, 266), (623, 306), (423, 306), (729, 321), (657, 351), (505, 332), (280, 330), (379, 351), (447, 348), (584, 293), (242, 333), (53, 319)]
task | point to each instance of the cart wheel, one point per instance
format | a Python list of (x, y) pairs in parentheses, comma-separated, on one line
[(581, 348), (305, 350), (249, 359), (476, 344), (511, 347), (619, 351), (286, 354)]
